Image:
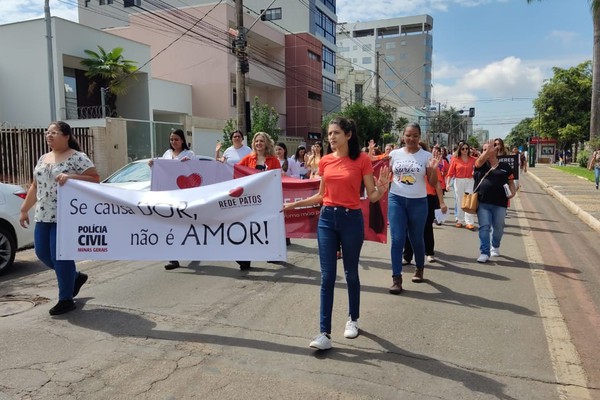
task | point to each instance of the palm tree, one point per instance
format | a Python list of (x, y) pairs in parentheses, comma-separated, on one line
[(108, 72), (595, 113)]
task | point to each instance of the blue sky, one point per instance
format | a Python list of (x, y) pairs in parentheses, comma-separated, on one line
[(489, 54)]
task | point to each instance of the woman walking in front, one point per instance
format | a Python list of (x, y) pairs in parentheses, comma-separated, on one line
[(64, 161), (342, 172), (491, 178), (407, 205)]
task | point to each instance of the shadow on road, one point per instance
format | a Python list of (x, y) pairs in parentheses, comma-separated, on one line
[(126, 324)]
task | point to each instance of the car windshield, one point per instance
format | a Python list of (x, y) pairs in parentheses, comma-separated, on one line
[(134, 172)]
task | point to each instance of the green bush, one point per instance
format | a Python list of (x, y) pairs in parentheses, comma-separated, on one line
[(583, 157)]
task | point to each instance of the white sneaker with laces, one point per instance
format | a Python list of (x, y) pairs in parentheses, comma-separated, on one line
[(495, 252), (321, 342), (351, 330), (483, 258), (431, 259)]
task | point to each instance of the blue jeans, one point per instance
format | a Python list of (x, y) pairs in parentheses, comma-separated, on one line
[(597, 174), (491, 221), (339, 225), (44, 236), (407, 216)]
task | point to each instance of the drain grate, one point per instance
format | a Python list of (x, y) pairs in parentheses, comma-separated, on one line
[(12, 304)]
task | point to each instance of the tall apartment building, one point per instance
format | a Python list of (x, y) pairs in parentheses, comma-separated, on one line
[(310, 30), (404, 46)]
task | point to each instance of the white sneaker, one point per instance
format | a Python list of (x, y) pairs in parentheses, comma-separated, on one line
[(351, 330), (431, 259), (321, 342), (495, 252), (483, 258)]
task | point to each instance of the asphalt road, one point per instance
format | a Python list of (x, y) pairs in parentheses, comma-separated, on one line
[(210, 331)]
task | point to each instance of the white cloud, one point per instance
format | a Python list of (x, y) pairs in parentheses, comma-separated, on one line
[(509, 77), (22, 10), (565, 37)]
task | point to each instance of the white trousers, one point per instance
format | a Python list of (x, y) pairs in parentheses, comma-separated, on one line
[(461, 186)]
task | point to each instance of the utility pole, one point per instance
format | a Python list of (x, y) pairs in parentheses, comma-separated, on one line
[(242, 67), (50, 60), (377, 99)]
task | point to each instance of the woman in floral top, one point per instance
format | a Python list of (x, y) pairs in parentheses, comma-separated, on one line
[(64, 161)]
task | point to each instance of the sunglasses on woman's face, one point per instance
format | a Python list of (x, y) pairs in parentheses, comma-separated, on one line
[(465, 148)]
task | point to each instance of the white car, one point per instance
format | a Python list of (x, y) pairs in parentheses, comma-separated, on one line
[(13, 237), (136, 175)]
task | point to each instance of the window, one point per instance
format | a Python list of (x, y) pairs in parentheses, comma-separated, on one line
[(70, 83), (325, 26), (234, 97), (132, 3), (329, 4), (390, 45), (366, 60), (328, 59), (358, 93), (313, 56), (328, 85), (314, 96), (271, 14), (390, 58), (102, 2), (343, 49), (367, 47)]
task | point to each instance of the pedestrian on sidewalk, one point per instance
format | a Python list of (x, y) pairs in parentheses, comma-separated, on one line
[(407, 205), (343, 170), (595, 164), (492, 177), (64, 161), (461, 169)]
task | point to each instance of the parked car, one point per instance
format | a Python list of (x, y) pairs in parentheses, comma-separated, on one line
[(13, 237), (136, 175)]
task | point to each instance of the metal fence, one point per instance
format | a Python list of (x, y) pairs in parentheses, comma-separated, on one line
[(21, 148)]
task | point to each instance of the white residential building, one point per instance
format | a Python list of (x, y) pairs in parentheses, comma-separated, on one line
[(404, 47)]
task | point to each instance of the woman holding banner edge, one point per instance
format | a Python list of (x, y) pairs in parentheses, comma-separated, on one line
[(342, 172), (64, 161), (178, 150)]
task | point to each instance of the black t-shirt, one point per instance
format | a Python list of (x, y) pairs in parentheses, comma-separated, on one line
[(491, 190)]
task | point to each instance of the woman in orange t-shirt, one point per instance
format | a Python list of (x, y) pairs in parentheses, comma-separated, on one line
[(461, 169), (262, 158), (342, 172)]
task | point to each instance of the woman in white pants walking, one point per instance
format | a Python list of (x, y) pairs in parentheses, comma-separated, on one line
[(461, 169)]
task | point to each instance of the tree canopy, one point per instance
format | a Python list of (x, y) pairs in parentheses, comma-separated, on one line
[(371, 121)]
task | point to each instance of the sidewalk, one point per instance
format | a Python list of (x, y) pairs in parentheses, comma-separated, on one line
[(577, 194)]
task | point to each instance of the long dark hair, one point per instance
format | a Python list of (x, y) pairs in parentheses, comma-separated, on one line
[(179, 133), (297, 155), (285, 165), (66, 130), (349, 127)]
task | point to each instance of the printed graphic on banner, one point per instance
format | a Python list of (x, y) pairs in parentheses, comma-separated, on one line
[(232, 220), (302, 222), (175, 174)]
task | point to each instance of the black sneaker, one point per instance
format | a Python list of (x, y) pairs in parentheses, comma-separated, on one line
[(79, 281), (172, 265), (63, 306), (244, 265)]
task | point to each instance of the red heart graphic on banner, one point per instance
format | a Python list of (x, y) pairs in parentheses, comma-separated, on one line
[(190, 181), (237, 192)]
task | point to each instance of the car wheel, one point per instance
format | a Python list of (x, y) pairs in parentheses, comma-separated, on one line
[(8, 248)]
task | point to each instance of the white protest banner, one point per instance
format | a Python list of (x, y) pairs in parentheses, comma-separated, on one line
[(176, 174), (234, 220)]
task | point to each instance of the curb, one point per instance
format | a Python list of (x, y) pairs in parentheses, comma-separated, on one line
[(574, 208)]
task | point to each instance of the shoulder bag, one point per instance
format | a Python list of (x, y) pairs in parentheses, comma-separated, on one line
[(470, 201)]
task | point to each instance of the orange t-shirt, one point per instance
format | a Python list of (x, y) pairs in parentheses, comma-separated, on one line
[(250, 161), (460, 169), (343, 177), (431, 189)]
